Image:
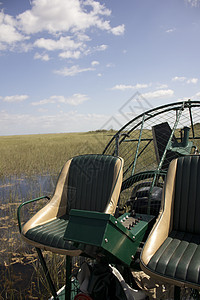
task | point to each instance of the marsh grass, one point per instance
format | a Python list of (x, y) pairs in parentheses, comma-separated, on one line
[(42, 154), (26, 163)]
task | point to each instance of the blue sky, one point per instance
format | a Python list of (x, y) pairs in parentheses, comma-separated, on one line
[(71, 65)]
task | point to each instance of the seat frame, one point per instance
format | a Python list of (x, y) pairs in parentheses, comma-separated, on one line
[(165, 224), (110, 209)]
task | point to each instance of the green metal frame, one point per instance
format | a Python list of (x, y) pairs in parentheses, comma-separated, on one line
[(42, 260), (142, 118), (138, 145), (177, 106), (142, 176), (25, 203)]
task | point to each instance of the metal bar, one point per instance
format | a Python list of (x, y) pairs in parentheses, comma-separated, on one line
[(138, 145), (178, 115), (117, 145), (68, 278), (137, 177), (137, 157), (47, 274), (135, 140), (191, 120), (24, 203), (166, 108)]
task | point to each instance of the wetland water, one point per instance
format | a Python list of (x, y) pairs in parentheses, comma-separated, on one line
[(16, 258)]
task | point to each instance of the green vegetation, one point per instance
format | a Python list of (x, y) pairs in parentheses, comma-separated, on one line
[(46, 153), (23, 158)]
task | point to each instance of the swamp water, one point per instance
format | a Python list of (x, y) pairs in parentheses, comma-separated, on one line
[(20, 276)]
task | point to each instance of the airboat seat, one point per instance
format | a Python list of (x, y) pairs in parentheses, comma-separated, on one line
[(86, 182), (161, 135), (172, 251)]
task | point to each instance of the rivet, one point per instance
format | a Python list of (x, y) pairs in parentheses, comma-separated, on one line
[(106, 240), (115, 222), (132, 256), (133, 237)]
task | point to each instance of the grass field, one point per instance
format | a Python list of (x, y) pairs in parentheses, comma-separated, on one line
[(23, 159), (46, 153), (27, 162)]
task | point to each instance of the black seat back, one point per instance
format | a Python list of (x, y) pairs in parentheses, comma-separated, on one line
[(187, 195), (91, 182)]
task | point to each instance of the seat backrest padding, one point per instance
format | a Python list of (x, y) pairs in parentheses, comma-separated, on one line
[(91, 182), (187, 195)]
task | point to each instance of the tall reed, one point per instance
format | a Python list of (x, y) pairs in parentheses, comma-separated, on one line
[(29, 167)]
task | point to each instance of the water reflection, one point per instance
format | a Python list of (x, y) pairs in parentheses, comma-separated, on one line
[(16, 257), (22, 188)]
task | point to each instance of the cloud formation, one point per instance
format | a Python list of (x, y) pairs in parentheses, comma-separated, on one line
[(58, 122), (72, 71), (64, 22), (44, 57), (193, 3), (74, 100), (185, 79), (123, 87), (170, 30), (14, 98), (158, 94)]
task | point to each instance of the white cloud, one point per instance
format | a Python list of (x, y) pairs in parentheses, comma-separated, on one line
[(14, 98), (42, 110), (44, 57), (162, 86), (95, 63), (123, 87), (66, 22), (61, 44), (170, 30), (110, 65), (178, 78), (101, 48), (54, 123), (74, 100), (70, 54), (44, 102), (72, 71), (197, 95), (192, 80), (8, 30), (62, 16), (119, 30), (193, 3), (185, 79), (158, 94)]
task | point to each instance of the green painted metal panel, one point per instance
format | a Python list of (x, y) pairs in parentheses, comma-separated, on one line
[(106, 235)]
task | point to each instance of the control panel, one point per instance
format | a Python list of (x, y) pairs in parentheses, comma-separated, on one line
[(102, 235)]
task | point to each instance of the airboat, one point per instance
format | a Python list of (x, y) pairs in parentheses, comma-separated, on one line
[(133, 208)]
